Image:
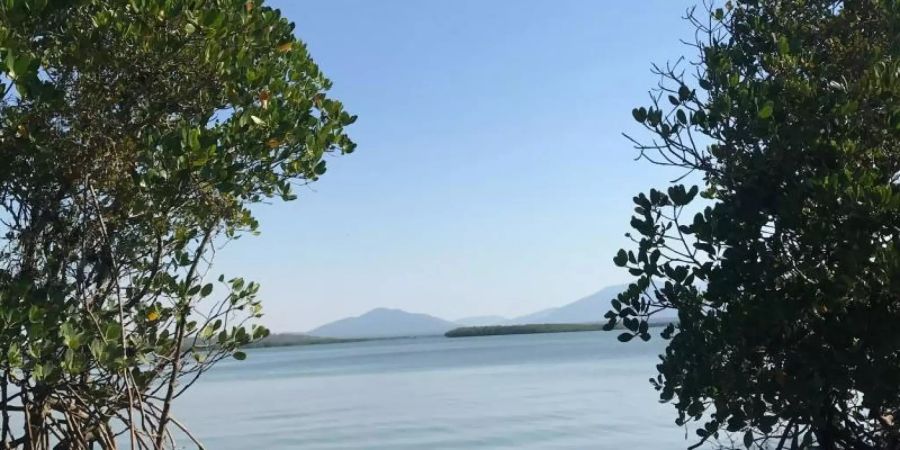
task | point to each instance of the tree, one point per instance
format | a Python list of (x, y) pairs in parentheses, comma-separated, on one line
[(134, 137), (787, 281)]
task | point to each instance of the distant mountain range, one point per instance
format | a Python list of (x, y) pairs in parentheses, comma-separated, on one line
[(584, 310), (385, 322)]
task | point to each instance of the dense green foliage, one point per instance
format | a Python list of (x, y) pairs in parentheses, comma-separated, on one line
[(292, 339), (787, 280), (496, 330), (134, 135)]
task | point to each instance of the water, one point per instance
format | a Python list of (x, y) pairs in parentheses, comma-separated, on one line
[(546, 391)]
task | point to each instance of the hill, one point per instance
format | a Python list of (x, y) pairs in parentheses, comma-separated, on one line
[(584, 310), (384, 322)]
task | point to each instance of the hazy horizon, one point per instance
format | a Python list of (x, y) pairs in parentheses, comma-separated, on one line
[(453, 319), (491, 176)]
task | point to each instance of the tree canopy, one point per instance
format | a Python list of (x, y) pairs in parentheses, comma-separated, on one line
[(784, 262), (134, 137)]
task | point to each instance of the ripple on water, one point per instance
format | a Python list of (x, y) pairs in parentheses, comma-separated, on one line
[(572, 390)]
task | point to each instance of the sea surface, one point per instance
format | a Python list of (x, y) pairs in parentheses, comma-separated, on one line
[(542, 391)]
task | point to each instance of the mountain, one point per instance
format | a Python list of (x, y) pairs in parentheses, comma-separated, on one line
[(588, 309), (481, 321), (384, 322)]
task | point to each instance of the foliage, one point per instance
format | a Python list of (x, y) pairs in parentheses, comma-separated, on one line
[(787, 282), (496, 330), (292, 339), (134, 137)]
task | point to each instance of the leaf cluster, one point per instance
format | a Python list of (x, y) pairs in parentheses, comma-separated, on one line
[(135, 135), (786, 280)]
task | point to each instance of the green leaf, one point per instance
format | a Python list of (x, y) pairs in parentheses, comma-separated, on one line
[(693, 192), (621, 258), (97, 349), (112, 332), (14, 356), (71, 337), (39, 371), (35, 314), (18, 65), (766, 111), (639, 114), (207, 289), (240, 356), (678, 195), (625, 337), (784, 47)]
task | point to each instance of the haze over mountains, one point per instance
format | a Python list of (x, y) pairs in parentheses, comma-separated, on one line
[(480, 321), (385, 322), (587, 309)]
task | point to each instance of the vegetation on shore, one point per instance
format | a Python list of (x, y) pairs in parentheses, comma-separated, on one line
[(534, 328), (299, 339), (292, 339)]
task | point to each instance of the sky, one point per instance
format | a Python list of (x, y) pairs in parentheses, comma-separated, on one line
[(491, 176)]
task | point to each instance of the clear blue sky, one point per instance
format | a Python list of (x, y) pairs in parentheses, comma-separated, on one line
[(491, 176)]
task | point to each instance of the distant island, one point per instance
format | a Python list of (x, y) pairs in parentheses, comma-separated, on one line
[(291, 339), (584, 314), (534, 328), (389, 322), (495, 330), (382, 323)]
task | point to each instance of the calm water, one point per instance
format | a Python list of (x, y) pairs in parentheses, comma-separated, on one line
[(548, 391)]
